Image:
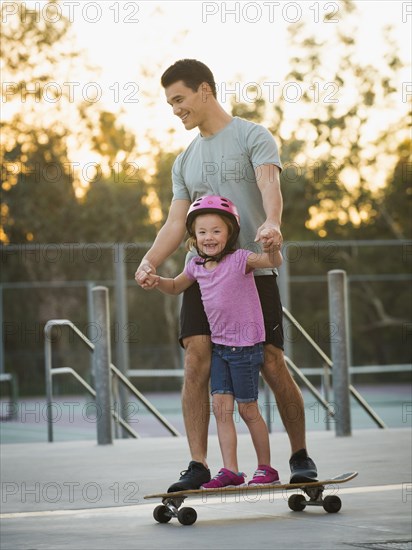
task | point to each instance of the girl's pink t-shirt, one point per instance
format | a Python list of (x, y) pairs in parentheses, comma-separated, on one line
[(230, 299)]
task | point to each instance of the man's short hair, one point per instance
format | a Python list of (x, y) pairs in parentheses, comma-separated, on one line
[(192, 72)]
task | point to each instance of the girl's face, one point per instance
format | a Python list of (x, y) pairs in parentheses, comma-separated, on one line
[(211, 234)]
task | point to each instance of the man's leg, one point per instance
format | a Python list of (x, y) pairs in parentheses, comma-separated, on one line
[(288, 396), (287, 393), (195, 395), (195, 338), (292, 412)]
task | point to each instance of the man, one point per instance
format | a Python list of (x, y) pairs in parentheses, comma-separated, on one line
[(237, 159)]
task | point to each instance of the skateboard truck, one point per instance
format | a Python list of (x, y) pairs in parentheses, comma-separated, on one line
[(330, 504), (170, 509)]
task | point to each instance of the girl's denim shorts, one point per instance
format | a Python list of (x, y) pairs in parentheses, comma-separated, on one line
[(235, 370)]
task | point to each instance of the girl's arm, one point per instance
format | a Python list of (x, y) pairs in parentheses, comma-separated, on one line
[(168, 285), (167, 241), (269, 258)]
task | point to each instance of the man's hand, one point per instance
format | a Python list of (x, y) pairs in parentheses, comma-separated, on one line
[(269, 235), (145, 276)]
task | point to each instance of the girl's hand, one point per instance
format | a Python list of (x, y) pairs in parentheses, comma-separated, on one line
[(146, 277), (270, 236)]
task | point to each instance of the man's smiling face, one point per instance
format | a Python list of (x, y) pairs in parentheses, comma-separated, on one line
[(188, 105)]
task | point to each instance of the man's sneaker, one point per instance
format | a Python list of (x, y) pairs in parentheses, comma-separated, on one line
[(302, 468), (192, 478), (265, 475), (225, 478)]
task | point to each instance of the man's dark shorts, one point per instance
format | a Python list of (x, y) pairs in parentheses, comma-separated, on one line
[(193, 320)]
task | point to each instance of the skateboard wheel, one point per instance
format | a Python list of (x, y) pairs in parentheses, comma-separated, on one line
[(297, 503), (187, 516), (161, 514), (332, 504)]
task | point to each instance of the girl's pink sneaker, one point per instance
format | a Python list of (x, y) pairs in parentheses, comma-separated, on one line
[(225, 478), (265, 475)]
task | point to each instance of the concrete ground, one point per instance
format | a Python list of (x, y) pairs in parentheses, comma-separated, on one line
[(80, 495)]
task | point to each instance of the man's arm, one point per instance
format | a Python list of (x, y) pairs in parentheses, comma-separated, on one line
[(267, 177), (167, 241)]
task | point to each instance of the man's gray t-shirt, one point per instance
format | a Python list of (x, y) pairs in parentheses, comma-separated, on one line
[(224, 164)]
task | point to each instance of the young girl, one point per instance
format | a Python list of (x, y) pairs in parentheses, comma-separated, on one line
[(232, 306)]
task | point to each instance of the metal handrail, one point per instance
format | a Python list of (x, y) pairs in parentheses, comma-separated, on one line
[(11, 380), (50, 371), (116, 416), (310, 386), (361, 400)]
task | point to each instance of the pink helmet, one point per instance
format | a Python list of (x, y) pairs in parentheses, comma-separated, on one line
[(212, 204)]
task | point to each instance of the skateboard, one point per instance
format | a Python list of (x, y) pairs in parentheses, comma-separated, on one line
[(172, 502)]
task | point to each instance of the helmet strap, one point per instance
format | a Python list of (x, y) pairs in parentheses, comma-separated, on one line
[(229, 249)]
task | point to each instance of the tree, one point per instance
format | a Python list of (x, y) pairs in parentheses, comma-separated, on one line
[(113, 210), (393, 203), (344, 179), (332, 143), (38, 193), (41, 140), (160, 183), (38, 202), (43, 199)]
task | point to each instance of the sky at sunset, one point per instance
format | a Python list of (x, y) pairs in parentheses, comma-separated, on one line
[(242, 42), (128, 44)]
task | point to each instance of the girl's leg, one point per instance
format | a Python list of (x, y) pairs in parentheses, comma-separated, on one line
[(258, 430), (223, 407)]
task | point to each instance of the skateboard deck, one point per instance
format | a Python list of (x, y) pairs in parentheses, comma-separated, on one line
[(172, 502)]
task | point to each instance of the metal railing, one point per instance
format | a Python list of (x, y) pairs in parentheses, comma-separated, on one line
[(300, 373), (328, 362), (10, 380), (50, 372), (104, 370)]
